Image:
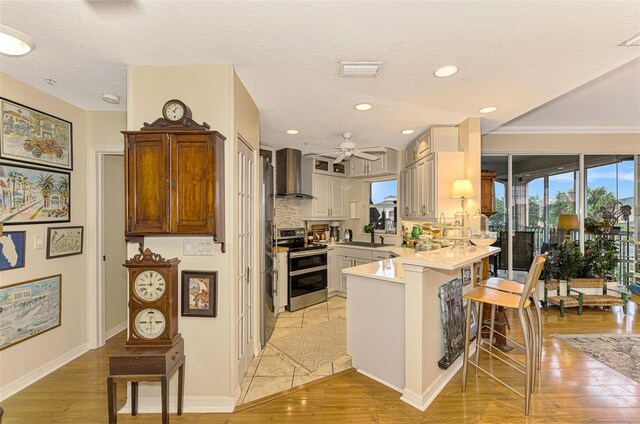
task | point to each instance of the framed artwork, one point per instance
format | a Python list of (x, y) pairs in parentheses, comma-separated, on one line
[(64, 241), (33, 196), (199, 293), (453, 321), (29, 135), (474, 323), (29, 308), (12, 250), (466, 276)]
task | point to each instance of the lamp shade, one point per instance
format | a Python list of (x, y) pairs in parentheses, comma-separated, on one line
[(568, 222), (462, 188)]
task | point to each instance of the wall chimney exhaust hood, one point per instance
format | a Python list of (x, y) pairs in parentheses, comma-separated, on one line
[(290, 180)]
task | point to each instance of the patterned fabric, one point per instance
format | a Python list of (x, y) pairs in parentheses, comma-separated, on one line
[(619, 352), (569, 301), (316, 346)]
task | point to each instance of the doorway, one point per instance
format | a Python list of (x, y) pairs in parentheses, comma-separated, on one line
[(114, 249)]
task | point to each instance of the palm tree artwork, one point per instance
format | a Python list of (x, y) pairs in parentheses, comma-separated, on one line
[(46, 184), (63, 188)]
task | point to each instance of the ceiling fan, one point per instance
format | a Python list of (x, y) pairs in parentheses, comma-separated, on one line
[(347, 148)]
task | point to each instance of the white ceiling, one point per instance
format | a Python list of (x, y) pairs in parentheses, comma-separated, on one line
[(516, 55)]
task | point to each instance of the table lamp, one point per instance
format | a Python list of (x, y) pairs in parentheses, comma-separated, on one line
[(568, 222), (462, 189)]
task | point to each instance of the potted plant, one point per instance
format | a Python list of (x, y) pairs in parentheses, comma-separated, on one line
[(591, 225), (564, 262), (601, 258)]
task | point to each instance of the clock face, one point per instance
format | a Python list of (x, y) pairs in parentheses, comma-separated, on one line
[(173, 111), (149, 285), (150, 323)]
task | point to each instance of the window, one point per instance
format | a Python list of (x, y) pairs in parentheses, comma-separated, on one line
[(383, 206)]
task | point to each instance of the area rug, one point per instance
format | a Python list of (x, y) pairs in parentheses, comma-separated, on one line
[(620, 352), (313, 347)]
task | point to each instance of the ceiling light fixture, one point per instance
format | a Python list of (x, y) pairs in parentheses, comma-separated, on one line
[(407, 132), (292, 132), (363, 106), (446, 71), (111, 98), (14, 42), (359, 69), (488, 109)]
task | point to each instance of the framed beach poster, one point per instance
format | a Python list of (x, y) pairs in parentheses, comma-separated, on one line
[(12, 249), (64, 241), (199, 293), (29, 308), (29, 135), (33, 196)]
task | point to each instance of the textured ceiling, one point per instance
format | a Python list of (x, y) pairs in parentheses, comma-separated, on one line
[(516, 55)]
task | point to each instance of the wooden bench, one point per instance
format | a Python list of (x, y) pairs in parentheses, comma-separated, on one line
[(581, 299)]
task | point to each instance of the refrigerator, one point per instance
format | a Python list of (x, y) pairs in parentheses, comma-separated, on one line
[(266, 230)]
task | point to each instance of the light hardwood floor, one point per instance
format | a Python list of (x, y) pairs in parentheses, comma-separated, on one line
[(573, 388)]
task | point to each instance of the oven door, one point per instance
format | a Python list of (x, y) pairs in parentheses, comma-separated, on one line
[(307, 259), (307, 287)]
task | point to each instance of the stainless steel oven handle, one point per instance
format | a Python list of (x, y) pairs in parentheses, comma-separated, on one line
[(308, 270), (310, 253)]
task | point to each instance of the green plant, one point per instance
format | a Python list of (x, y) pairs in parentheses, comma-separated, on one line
[(591, 222), (564, 262), (601, 258)]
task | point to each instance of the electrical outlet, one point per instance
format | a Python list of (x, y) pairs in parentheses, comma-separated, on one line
[(38, 242)]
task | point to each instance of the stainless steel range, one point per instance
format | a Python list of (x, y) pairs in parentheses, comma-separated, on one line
[(307, 269)]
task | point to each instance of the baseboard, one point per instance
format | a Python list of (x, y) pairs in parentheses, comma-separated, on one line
[(42, 371), (389, 385), (422, 401), (192, 404), (115, 330)]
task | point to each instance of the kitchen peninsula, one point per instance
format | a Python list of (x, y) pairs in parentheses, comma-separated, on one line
[(394, 325)]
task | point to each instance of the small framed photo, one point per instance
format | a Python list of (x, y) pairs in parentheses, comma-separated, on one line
[(64, 241), (199, 293), (12, 249), (466, 276)]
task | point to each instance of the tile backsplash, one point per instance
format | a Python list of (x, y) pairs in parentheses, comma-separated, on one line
[(287, 214)]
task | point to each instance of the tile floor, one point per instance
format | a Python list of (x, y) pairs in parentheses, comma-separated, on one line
[(272, 372)]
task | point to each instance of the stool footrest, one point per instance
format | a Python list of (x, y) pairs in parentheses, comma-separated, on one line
[(504, 360), (505, 336), (478, 367)]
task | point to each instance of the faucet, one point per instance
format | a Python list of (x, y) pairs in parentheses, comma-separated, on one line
[(373, 235)]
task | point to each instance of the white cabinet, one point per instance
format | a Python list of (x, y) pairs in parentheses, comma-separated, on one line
[(329, 198), (322, 165), (332, 262), (281, 271), (436, 139), (387, 164), (426, 186), (344, 262), (350, 257)]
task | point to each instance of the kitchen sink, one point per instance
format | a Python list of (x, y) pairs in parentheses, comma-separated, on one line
[(365, 244)]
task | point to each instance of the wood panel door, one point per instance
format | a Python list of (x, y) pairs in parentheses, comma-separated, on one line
[(147, 176), (192, 184)]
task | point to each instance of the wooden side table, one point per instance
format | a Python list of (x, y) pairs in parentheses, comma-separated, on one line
[(135, 364)]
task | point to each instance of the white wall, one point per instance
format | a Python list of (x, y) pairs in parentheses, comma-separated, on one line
[(21, 364), (561, 143)]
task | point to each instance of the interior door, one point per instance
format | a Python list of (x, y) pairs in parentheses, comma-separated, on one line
[(246, 237)]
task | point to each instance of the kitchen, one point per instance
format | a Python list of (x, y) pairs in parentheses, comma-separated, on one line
[(331, 215)]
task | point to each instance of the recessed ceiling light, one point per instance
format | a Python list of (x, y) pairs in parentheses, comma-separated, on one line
[(488, 109), (14, 42), (111, 98), (363, 106), (446, 71), (407, 132), (292, 132)]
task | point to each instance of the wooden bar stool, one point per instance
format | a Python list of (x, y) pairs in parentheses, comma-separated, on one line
[(522, 302), (516, 287)]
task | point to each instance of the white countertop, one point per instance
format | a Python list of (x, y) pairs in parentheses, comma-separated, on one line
[(447, 258), (387, 270)]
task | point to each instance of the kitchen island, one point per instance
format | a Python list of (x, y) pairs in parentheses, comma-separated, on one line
[(394, 324)]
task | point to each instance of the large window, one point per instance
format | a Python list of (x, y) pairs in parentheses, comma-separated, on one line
[(383, 206)]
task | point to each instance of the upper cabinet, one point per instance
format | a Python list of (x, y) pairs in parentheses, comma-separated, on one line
[(387, 164), (487, 192), (436, 139), (322, 165), (174, 177), (329, 194), (426, 186)]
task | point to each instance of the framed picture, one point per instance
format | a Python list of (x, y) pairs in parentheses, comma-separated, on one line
[(30, 308), (12, 249), (466, 276), (29, 135), (199, 293), (33, 196), (64, 241)]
